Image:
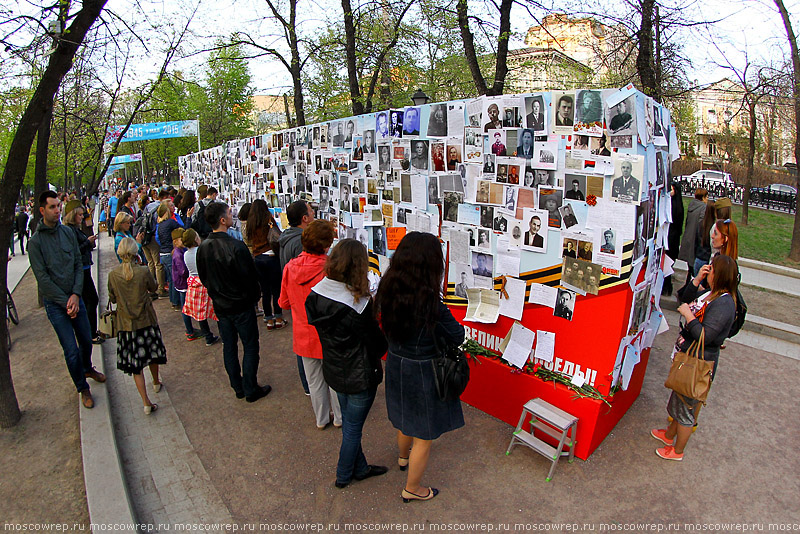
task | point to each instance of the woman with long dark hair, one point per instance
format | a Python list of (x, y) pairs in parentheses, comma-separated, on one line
[(711, 313), (262, 239), (416, 322), (186, 207), (340, 308)]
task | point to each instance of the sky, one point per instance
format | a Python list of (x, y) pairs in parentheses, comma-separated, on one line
[(751, 25)]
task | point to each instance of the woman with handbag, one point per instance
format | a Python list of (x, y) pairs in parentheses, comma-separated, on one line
[(708, 320), (340, 308), (139, 343), (416, 321)]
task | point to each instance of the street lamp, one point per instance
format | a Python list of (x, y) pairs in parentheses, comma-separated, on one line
[(419, 98)]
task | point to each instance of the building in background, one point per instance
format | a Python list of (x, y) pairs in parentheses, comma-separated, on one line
[(270, 112)]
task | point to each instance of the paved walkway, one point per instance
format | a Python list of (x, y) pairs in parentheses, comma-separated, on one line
[(167, 483)]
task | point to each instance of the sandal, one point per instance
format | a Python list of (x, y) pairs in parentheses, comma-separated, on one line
[(408, 496), (150, 409), (402, 463), (157, 387)]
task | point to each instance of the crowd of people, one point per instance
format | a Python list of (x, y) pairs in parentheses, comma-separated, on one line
[(212, 264), (231, 268)]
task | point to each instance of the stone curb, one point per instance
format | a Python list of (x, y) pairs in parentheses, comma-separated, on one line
[(770, 267), (753, 323), (106, 490)]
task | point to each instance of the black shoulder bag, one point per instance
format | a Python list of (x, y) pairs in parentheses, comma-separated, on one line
[(451, 370)]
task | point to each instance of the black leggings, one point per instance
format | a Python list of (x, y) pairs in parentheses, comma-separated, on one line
[(90, 300), (269, 278)]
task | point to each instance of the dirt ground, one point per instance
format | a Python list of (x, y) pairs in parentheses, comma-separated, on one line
[(41, 470)]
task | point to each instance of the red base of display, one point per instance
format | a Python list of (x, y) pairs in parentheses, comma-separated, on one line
[(498, 390)]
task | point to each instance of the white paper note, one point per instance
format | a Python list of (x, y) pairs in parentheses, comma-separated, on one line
[(543, 295), (513, 305), (519, 345), (545, 345), (459, 246)]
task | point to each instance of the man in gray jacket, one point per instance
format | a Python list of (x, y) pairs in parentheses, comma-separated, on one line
[(56, 262), (300, 214), (694, 217)]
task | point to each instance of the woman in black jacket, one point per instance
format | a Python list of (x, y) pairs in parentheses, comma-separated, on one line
[(73, 216), (340, 308)]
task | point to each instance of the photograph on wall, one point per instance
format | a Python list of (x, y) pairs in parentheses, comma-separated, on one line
[(384, 157), (512, 117), (369, 145), (437, 156), (621, 118), (411, 121), (589, 112), (482, 193), (419, 154), (451, 200), (568, 216), (496, 142), (475, 113), (510, 198), (473, 145), (565, 304), (482, 264), (526, 198), (491, 114), (575, 186), (487, 212), (463, 278), (382, 126), (627, 182), (453, 153), (525, 149), (563, 111), (500, 221), (640, 309), (599, 146), (516, 230), (437, 121), (545, 155), (550, 199), (581, 276), (484, 239), (396, 123), (455, 118), (535, 230), (536, 113)]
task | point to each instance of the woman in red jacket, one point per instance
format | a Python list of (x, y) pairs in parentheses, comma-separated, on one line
[(299, 276)]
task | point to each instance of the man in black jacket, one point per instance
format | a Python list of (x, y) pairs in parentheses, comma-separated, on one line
[(226, 268)]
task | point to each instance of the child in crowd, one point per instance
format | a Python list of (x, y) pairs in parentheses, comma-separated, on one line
[(197, 305), (180, 278)]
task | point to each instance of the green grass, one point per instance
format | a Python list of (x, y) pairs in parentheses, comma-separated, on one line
[(767, 237)]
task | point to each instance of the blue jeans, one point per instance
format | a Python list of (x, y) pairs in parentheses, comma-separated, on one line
[(242, 325), (187, 321), (75, 338), (166, 261), (355, 408)]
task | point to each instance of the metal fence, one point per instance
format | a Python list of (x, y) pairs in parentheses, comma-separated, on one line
[(771, 200)]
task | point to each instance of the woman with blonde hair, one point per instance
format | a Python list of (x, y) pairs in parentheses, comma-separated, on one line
[(122, 229), (139, 342)]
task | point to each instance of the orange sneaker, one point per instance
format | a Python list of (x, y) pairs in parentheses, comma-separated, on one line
[(668, 453), (661, 435)]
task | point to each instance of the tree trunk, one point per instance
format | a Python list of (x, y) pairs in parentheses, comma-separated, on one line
[(296, 66), (794, 251), (501, 61), (39, 106), (645, 58), (469, 47), (751, 155), (40, 169), (350, 56)]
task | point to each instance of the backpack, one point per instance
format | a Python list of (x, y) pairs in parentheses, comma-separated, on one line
[(199, 223), (146, 224), (741, 313)]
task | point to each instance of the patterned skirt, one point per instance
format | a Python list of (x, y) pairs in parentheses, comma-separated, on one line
[(136, 350), (198, 304)]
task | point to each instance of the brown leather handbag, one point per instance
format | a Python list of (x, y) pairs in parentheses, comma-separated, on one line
[(690, 374)]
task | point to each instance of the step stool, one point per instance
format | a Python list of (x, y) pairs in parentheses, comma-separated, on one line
[(555, 423)]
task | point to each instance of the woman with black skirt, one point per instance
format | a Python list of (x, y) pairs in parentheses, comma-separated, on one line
[(416, 321), (139, 343)]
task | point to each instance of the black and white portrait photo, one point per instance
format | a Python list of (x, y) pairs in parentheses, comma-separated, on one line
[(568, 216), (419, 154), (482, 264), (564, 104), (382, 125), (437, 121), (484, 240), (626, 185), (396, 123), (535, 117), (565, 304), (622, 117), (379, 240), (369, 142), (535, 230), (589, 107), (384, 158)]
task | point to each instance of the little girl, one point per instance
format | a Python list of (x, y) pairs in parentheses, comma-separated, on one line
[(180, 278), (197, 305)]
